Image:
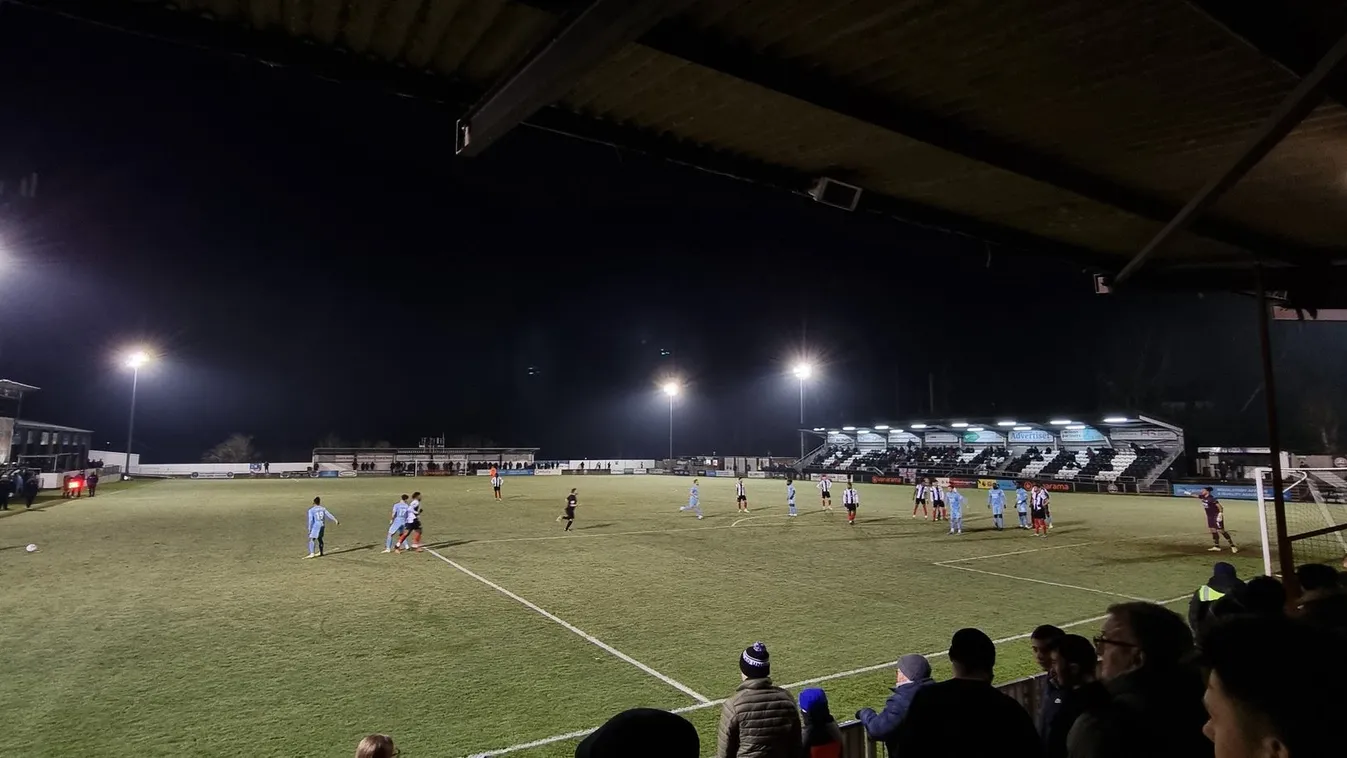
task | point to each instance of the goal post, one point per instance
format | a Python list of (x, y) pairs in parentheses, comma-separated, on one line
[(1316, 515)]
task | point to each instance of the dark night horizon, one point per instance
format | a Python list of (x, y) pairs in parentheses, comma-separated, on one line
[(308, 258)]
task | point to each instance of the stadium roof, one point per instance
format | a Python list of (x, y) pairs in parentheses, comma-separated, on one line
[(1004, 424), (13, 389), (25, 424), (1070, 127)]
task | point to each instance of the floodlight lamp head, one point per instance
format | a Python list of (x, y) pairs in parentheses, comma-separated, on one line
[(671, 388), (137, 358), (803, 370)]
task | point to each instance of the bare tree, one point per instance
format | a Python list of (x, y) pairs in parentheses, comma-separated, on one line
[(238, 448)]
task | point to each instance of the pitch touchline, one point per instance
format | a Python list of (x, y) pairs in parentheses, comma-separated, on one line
[(794, 685), (572, 628), (1044, 581)]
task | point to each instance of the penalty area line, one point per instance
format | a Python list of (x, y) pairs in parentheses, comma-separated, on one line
[(578, 734), (1044, 581), (591, 639)]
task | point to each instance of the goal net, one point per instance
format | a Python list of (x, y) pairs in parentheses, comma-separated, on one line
[(1316, 515)]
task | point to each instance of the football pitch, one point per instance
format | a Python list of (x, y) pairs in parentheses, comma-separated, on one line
[(179, 617)]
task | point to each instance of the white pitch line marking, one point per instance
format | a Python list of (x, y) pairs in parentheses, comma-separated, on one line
[(794, 685), (1053, 547), (1044, 581), (581, 633)]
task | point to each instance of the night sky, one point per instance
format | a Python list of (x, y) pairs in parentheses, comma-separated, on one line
[(309, 258)]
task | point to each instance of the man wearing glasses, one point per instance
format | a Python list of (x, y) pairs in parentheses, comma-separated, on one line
[(1154, 706)]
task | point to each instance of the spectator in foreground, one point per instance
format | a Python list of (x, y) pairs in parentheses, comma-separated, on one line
[(1274, 688), (1262, 596), (1041, 641), (645, 732), (759, 720), (1154, 705), (376, 746), (822, 737), (966, 717), (1072, 670), (1223, 582), (1324, 603), (914, 673)]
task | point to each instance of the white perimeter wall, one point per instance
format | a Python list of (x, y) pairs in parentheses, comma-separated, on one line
[(186, 469)]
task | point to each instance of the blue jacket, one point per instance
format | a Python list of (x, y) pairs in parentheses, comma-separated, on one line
[(884, 726)]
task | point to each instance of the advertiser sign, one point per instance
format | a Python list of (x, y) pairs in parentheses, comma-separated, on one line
[(515, 472), (986, 484), (346, 474), (1055, 486), (254, 468), (841, 440), (958, 481), (324, 474), (1222, 491), (658, 471), (898, 439), (428, 472), (1031, 436), (637, 471), (1088, 434), (985, 437), (1143, 435), (212, 474), (871, 438), (757, 475), (887, 480), (547, 472), (942, 438), (483, 472)]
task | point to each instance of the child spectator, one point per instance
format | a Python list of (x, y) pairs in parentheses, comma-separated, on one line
[(822, 736)]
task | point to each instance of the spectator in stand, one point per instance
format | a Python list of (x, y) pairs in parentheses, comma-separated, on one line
[(1041, 641), (1325, 601), (759, 720), (644, 732), (822, 737), (376, 746), (966, 717), (1154, 704), (913, 673), (1072, 672), (1274, 688), (1223, 582)]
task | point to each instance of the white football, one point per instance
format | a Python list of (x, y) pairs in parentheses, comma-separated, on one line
[(31, 548)]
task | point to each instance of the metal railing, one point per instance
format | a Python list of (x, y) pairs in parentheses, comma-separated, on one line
[(856, 744)]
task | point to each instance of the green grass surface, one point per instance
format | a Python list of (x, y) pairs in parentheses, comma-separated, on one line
[(179, 618)]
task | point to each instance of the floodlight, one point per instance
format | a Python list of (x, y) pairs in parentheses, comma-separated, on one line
[(881, 427), (974, 428), (1022, 428), (1116, 420), (137, 358), (1006, 423), (899, 431), (671, 388), (819, 429), (1076, 426), (803, 370), (848, 428), (1060, 421), (918, 426), (960, 425)]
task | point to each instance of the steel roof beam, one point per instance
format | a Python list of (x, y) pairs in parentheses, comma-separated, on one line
[(589, 37)]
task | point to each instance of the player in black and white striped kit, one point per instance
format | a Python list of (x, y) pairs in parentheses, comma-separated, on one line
[(851, 500), (919, 500), (825, 492), (495, 486), (741, 495)]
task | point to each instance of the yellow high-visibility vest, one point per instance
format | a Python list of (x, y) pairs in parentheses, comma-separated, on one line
[(1209, 595)]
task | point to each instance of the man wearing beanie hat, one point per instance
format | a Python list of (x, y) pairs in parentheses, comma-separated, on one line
[(759, 719), (645, 732), (1223, 582), (914, 673)]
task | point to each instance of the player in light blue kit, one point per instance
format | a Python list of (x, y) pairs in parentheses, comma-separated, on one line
[(1022, 505), (996, 500), (694, 499), (954, 502), (790, 497), (318, 518), (397, 523)]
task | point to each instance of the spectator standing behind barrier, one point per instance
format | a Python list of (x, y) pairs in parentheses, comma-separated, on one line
[(1071, 667), (1050, 693), (642, 732), (759, 720), (1223, 582), (1154, 705), (1324, 602), (1274, 688), (822, 737), (966, 717), (913, 673)]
